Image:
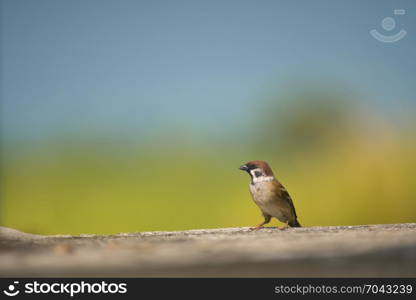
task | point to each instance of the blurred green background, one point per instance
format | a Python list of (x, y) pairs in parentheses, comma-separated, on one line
[(137, 116)]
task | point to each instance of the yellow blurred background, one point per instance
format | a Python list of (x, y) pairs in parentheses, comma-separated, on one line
[(341, 163)]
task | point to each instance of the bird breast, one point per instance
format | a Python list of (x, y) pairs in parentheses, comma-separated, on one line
[(266, 200)]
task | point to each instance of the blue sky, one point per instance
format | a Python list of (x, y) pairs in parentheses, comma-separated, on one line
[(143, 67)]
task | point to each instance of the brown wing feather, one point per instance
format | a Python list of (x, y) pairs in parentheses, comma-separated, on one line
[(283, 194), (286, 196)]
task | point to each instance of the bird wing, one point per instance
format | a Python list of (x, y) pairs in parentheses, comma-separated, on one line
[(283, 194)]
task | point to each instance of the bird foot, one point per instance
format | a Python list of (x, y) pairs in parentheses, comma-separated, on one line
[(283, 227), (256, 228)]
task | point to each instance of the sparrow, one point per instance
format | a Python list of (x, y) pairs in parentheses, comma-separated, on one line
[(270, 195)]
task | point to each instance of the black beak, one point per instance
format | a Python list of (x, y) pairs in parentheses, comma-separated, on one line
[(243, 168)]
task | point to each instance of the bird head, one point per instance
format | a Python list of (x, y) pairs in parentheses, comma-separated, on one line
[(257, 168)]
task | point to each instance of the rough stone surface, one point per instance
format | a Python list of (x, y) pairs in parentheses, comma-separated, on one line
[(341, 251)]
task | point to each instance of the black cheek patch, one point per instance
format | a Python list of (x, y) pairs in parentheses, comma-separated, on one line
[(257, 173)]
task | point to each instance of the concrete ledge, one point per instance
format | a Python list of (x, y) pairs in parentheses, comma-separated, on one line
[(340, 251)]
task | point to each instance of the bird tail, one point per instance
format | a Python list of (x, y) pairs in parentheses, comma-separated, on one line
[(295, 223)]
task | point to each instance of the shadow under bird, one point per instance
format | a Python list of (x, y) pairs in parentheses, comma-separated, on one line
[(270, 195)]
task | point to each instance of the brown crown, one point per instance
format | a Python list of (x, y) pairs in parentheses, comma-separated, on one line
[(262, 165)]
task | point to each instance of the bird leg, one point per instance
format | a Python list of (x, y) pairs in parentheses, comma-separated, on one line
[(286, 226), (261, 225), (258, 226)]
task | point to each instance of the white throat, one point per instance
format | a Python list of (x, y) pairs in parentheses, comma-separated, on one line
[(262, 179)]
